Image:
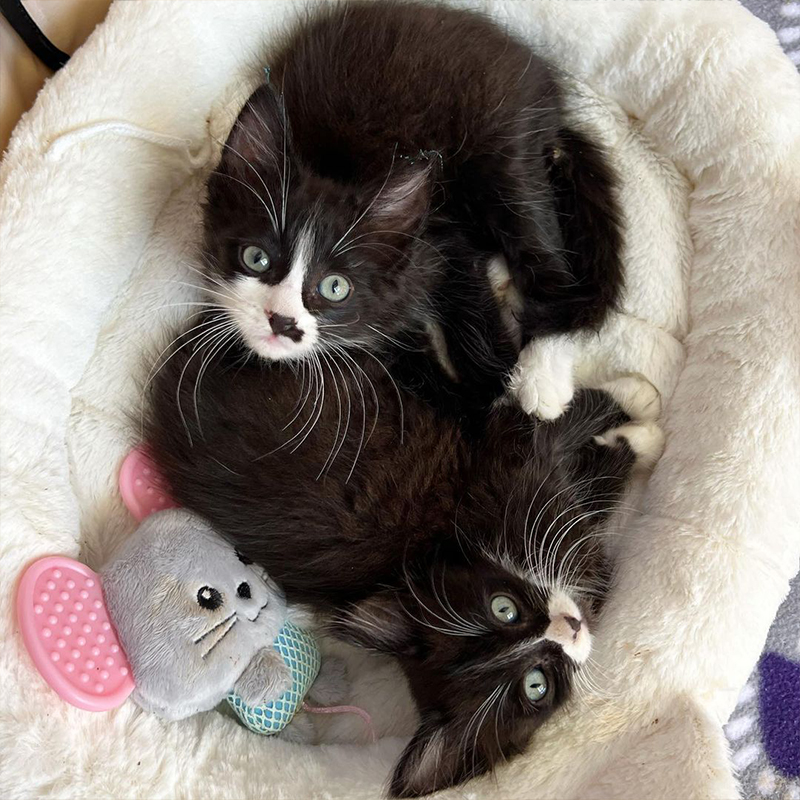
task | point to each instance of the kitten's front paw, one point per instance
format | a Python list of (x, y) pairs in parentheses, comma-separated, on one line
[(646, 439), (542, 380), (639, 399)]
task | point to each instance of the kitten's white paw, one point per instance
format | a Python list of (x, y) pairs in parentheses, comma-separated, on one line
[(541, 395), (542, 380), (646, 439), (639, 399)]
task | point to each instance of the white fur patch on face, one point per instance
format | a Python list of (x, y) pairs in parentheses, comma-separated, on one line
[(568, 628), (249, 303)]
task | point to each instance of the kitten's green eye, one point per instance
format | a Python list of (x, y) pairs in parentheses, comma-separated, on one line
[(254, 258), (504, 608), (535, 685), (334, 288)]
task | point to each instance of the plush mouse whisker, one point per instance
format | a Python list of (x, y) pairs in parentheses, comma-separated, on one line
[(221, 637), (213, 628)]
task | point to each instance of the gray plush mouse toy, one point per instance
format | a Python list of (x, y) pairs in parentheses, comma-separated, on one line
[(194, 619), (177, 619)]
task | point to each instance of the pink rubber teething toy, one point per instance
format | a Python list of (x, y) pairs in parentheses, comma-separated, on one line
[(65, 626), (63, 616), (141, 486)]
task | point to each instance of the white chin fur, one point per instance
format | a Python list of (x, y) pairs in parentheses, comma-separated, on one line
[(277, 348)]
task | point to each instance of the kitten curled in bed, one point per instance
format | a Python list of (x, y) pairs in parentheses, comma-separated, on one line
[(474, 559), (393, 150)]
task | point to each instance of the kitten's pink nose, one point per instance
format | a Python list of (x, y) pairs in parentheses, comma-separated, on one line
[(284, 326)]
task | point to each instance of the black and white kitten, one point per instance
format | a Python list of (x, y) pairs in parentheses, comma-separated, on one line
[(363, 190), (474, 559)]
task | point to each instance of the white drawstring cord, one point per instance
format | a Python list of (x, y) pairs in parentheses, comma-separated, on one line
[(196, 158)]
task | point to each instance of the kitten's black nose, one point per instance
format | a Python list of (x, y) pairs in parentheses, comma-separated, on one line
[(284, 326), (575, 624)]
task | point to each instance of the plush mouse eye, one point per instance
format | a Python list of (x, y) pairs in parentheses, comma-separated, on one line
[(209, 598), (504, 608), (535, 685), (243, 590), (254, 258), (334, 288)]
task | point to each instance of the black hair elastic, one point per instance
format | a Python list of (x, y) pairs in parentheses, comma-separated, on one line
[(30, 33)]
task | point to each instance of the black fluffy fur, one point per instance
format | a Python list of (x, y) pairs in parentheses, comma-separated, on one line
[(443, 137), (416, 142), (383, 514)]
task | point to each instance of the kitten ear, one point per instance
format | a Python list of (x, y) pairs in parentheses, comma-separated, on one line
[(260, 133), (378, 623), (434, 759), (403, 201)]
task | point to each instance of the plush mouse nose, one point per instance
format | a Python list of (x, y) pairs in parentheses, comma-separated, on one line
[(574, 623), (284, 326), (243, 590)]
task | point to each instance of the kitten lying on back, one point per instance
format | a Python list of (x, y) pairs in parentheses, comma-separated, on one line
[(473, 558), (362, 191)]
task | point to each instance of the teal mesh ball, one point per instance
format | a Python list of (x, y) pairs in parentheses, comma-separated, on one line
[(300, 652)]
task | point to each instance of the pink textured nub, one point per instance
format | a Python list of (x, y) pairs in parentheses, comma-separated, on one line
[(65, 626), (141, 486)]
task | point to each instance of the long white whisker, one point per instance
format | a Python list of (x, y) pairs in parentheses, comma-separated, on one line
[(224, 337), (367, 209), (273, 216)]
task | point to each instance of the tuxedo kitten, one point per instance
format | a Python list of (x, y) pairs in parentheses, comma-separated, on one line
[(474, 559), (394, 149)]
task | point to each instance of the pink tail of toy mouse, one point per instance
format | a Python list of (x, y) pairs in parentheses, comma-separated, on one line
[(367, 719)]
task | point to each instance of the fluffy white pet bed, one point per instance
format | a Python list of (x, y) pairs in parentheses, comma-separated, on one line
[(98, 218)]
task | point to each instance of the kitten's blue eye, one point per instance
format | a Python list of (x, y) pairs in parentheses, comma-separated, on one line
[(535, 685), (254, 258), (504, 608), (334, 288)]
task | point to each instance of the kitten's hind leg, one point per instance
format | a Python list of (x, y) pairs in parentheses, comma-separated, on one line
[(564, 254), (476, 330)]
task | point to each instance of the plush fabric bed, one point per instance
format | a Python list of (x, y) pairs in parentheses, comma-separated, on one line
[(98, 218)]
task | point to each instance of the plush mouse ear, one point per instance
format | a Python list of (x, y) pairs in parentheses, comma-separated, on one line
[(435, 758), (378, 623)]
